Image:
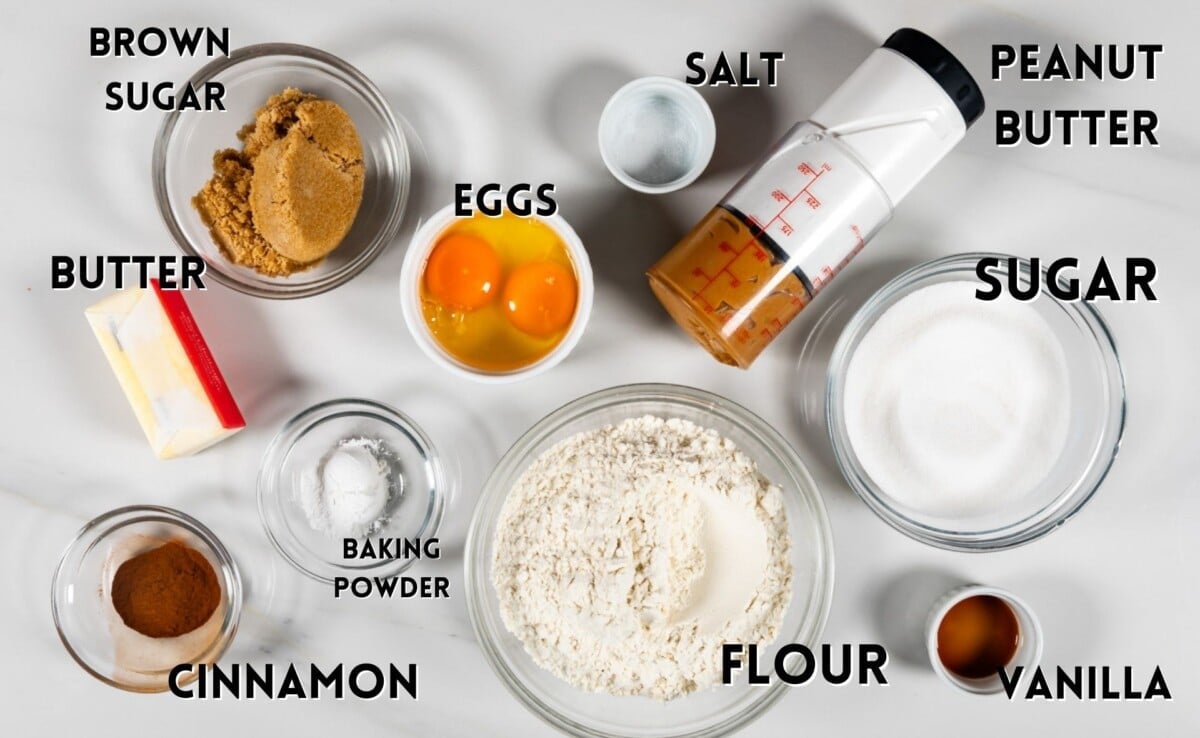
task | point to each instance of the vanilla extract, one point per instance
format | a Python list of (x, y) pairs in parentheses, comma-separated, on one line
[(978, 636), (380, 549), (1084, 683)]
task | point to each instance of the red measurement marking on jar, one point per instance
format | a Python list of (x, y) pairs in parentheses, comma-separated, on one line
[(804, 195), (828, 273)]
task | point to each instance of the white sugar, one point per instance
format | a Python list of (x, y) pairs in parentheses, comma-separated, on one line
[(957, 407)]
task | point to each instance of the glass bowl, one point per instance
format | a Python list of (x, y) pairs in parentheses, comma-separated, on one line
[(1097, 417), (187, 140), (713, 712), (91, 629), (414, 509)]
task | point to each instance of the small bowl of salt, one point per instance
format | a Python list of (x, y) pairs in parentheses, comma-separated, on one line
[(657, 135), (349, 470)]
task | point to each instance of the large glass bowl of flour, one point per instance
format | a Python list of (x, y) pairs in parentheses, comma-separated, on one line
[(974, 425), (714, 711)]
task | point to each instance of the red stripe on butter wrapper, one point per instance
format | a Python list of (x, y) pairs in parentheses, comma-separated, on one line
[(200, 357)]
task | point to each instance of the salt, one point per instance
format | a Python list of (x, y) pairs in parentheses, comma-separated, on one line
[(957, 407), (656, 141)]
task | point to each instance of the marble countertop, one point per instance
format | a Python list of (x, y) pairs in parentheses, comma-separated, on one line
[(511, 92)]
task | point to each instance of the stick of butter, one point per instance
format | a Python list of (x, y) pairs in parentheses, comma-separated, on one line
[(169, 376)]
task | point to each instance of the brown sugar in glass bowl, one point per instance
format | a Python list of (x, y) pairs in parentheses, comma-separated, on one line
[(85, 585), (183, 162), (287, 199)]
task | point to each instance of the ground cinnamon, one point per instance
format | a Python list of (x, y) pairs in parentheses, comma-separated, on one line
[(167, 591)]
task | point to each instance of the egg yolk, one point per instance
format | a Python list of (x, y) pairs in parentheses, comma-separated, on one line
[(539, 298), (463, 272)]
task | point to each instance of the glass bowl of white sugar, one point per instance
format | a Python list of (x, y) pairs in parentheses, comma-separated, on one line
[(564, 577), (972, 424)]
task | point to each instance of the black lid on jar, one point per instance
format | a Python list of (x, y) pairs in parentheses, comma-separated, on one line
[(945, 69)]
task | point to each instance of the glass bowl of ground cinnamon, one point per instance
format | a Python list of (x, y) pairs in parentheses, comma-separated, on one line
[(293, 189), (141, 590)]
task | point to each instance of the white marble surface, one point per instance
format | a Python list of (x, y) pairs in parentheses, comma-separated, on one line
[(510, 91)]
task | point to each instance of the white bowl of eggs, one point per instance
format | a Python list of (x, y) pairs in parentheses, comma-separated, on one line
[(496, 298)]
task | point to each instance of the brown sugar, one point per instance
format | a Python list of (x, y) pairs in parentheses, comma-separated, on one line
[(289, 197), (307, 185)]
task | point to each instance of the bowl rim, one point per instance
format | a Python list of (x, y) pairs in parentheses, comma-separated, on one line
[(299, 424), (422, 243), (515, 458), (1035, 637), (230, 576), (1042, 521), (398, 148)]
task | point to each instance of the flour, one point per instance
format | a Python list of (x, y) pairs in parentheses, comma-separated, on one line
[(626, 556)]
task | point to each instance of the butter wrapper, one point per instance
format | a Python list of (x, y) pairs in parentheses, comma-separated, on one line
[(165, 368)]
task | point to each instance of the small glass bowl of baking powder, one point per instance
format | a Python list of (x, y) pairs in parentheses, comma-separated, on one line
[(1072, 338), (413, 504), (88, 623), (710, 712), (183, 155)]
